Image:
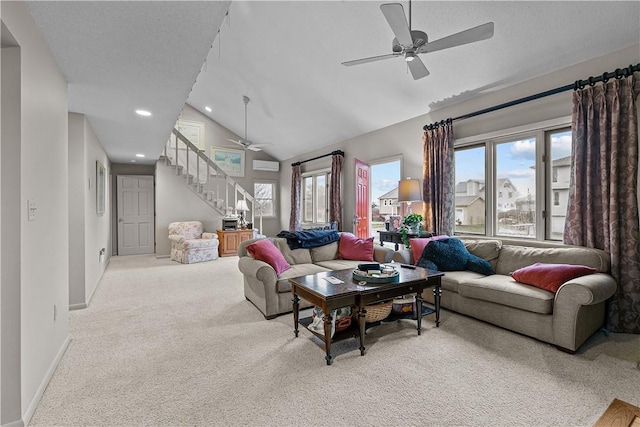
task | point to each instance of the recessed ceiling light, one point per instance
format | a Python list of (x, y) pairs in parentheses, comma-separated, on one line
[(143, 113), (208, 109), (133, 161), (139, 155)]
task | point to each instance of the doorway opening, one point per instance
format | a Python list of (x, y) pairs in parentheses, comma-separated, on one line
[(385, 175)]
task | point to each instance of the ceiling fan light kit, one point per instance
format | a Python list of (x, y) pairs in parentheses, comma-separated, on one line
[(409, 43)]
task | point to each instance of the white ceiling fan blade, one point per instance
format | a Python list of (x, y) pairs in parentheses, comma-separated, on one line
[(394, 12), (370, 59), (239, 142), (417, 68), (253, 148), (481, 32)]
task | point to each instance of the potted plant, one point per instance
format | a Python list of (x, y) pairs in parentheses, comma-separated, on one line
[(411, 224)]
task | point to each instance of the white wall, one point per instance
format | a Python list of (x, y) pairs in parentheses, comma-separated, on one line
[(89, 232), (44, 251), (405, 138)]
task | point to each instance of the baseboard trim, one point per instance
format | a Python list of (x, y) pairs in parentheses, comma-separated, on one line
[(31, 409), (78, 306), (17, 423), (162, 256)]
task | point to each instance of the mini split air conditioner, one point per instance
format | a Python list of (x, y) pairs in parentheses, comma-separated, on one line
[(266, 165)]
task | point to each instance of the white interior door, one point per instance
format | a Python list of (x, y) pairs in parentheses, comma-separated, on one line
[(135, 215)]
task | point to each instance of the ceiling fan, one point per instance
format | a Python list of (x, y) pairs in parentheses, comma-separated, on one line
[(409, 43), (245, 143)]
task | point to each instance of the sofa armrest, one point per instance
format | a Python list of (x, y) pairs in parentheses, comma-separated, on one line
[(213, 236), (575, 311), (259, 270), (382, 254), (176, 238), (404, 256)]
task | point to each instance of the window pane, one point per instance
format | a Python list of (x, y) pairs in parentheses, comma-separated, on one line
[(561, 168), (307, 214), (321, 199), (515, 188), (267, 207), (264, 198), (470, 197)]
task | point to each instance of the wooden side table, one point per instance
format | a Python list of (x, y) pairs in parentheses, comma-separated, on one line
[(231, 239), (396, 236)]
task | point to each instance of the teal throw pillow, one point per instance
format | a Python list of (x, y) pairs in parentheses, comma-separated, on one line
[(451, 255)]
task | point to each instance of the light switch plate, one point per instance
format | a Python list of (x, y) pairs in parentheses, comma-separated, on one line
[(31, 210)]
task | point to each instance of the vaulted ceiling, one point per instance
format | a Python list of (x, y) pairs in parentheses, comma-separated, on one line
[(286, 57)]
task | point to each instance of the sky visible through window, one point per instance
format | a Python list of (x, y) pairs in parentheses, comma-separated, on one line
[(516, 160), (384, 178)]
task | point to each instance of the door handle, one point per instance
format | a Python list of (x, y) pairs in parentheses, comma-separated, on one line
[(120, 220)]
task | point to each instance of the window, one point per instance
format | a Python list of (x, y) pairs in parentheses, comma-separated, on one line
[(315, 197), (264, 194), (470, 190), (531, 167)]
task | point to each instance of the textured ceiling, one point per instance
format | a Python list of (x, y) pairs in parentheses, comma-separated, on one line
[(286, 56)]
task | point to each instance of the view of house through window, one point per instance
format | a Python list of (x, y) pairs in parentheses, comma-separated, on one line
[(383, 194), (515, 209), (470, 193)]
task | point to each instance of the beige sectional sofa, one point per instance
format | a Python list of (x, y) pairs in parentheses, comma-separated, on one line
[(271, 294), (565, 319)]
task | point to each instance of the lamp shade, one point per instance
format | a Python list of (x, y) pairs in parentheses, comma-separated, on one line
[(241, 205), (409, 190)]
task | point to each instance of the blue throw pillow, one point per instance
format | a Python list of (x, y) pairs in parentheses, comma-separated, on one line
[(451, 255)]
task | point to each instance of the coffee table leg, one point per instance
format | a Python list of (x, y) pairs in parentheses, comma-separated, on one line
[(296, 313), (361, 324), (419, 312), (437, 293), (327, 337)]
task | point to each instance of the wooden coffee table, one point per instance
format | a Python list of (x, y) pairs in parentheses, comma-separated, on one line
[(318, 291)]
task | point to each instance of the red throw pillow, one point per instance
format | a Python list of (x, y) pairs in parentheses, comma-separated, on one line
[(550, 276), (418, 244), (356, 249), (265, 250)]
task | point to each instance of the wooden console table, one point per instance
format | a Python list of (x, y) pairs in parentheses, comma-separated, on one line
[(231, 239), (396, 236)]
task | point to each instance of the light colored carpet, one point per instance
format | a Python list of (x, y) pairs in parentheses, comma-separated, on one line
[(168, 344)]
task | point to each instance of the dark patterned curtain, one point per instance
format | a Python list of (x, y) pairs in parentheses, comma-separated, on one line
[(335, 204), (603, 203), (296, 198), (438, 179)]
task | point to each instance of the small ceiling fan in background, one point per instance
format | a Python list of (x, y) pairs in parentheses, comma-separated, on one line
[(245, 143), (410, 43)]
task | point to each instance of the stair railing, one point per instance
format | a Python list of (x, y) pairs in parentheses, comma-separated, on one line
[(212, 169)]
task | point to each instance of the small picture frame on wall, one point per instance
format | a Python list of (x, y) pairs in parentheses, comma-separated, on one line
[(101, 182), (229, 160), (193, 131)]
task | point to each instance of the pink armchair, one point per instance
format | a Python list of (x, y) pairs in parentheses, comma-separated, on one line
[(189, 244)]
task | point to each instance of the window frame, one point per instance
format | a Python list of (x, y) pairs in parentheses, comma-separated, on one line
[(326, 172), (274, 200), (542, 132)]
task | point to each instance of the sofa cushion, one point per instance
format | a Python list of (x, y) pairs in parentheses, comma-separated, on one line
[(324, 253), (354, 248), (265, 250), (339, 264), (514, 257), (450, 254), (488, 250), (504, 290), (452, 279), (550, 276), (293, 256), (418, 244), (297, 270)]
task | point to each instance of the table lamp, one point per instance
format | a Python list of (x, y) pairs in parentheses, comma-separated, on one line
[(241, 206), (409, 191)]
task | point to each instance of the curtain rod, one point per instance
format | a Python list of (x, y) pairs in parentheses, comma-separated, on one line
[(578, 84), (333, 153)]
